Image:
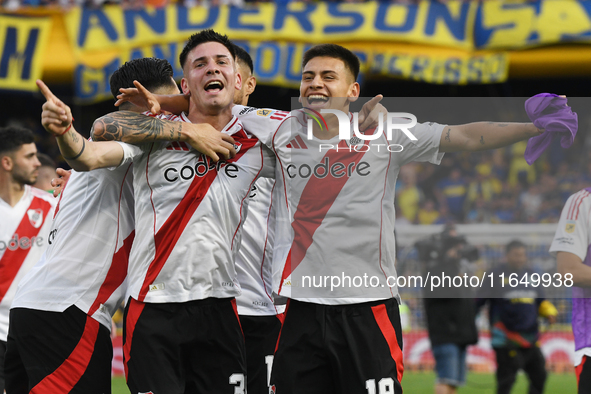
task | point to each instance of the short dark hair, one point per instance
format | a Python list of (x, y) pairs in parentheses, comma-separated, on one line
[(45, 160), (515, 244), (13, 137), (244, 57), (208, 35), (337, 52), (151, 72)]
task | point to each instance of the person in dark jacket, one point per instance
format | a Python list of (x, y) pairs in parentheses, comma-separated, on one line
[(514, 305), (451, 313)]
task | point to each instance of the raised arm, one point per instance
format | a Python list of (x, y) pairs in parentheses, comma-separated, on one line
[(80, 154), (485, 135), (135, 128)]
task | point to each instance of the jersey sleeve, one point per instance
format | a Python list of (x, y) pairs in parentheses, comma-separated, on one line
[(130, 152), (572, 234), (260, 122), (425, 148)]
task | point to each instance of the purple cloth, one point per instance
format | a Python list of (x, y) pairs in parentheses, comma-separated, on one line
[(549, 112)]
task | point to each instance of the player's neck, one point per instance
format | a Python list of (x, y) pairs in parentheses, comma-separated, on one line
[(10, 191), (331, 129), (215, 117)]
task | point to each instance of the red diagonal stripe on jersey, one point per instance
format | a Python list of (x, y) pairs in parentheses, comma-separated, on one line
[(316, 199), (116, 274), (168, 235), (65, 377), (301, 142), (295, 144), (380, 313), (12, 260)]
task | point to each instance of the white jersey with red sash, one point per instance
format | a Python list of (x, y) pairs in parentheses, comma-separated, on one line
[(189, 214), (334, 239), (90, 240), (24, 231)]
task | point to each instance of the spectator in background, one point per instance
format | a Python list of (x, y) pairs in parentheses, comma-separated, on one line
[(410, 195), (453, 193), (427, 213), (484, 186), (567, 180), (531, 203), (513, 316), (504, 208), (480, 212), (46, 173), (519, 170)]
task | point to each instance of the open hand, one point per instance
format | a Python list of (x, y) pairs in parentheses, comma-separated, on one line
[(209, 141), (139, 96)]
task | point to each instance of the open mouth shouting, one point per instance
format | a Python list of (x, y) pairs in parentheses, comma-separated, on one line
[(214, 86), (317, 100)]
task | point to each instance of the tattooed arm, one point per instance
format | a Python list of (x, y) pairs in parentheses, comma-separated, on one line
[(80, 154), (485, 135), (135, 128)]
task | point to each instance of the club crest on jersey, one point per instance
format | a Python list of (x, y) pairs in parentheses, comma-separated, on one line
[(272, 389), (355, 141), (35, 217), (237, 146), (570, 226), (264, 112)]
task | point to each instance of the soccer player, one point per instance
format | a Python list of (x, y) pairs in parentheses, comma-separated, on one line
[(259, 317), (572, 246), (189, 211), (26, 218), (347, 339), (79, 282)]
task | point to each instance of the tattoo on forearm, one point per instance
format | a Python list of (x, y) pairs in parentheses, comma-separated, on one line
[(481, 140), (74, 136), (129, 127), (447, 138), (79, 153)]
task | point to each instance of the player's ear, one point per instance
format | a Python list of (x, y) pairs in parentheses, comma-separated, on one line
[(185, 87), (251, 84), (6, 162), (353, 92), (238, 81)]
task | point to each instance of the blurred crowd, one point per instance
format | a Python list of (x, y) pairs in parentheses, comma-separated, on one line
[(492, 187)]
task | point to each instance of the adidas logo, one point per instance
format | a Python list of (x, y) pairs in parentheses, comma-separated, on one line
[(279, 115), (297, 143), (175, 145)]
